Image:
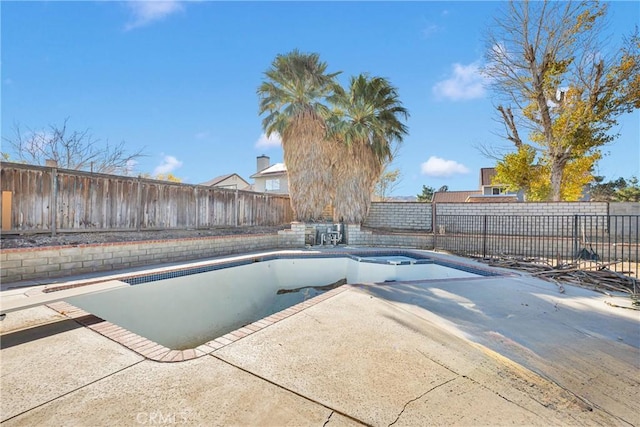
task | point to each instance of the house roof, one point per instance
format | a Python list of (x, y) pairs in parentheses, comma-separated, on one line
[(276, 169), (453, 196), (217, 180), (498, 198)]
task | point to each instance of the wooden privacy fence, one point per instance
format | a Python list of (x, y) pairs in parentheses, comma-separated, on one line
[(46, 199)]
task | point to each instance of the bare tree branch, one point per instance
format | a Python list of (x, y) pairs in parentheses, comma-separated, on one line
[(77, 150), (510, 125), (549, 67)]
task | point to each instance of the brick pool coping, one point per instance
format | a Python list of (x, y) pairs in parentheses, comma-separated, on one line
[(159, 353)]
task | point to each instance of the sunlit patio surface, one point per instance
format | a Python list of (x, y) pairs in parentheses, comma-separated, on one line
[(487, 351)]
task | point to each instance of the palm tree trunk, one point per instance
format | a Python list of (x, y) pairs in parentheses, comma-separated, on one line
[(355, 173), (308, 161)]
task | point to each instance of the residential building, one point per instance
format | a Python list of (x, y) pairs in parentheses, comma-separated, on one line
[(270, 178), (488, 188), (231, 181), (453, 196), (489, 192)]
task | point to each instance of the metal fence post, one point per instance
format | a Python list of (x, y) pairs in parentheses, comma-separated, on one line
[(576, 237), (433, 225), (484, 237)]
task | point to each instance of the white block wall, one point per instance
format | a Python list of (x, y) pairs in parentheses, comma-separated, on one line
[(534, 208), (400, 215)]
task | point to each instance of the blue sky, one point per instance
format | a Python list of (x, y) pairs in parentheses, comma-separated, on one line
[(179, 79)]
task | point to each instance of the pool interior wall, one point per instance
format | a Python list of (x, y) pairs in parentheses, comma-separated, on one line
[(181, 310)]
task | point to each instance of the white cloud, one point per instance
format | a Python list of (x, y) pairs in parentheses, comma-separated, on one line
[(441, 168), (130, 166), (145, 12), (467, 82), (499, 51), (431, 30), (270, 142), (168, 164)]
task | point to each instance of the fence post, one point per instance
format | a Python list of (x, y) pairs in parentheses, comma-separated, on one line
[(139, 204), (237, 208), (484, 236), (54, 200), (197, 211), (433, 225), (576, 238)]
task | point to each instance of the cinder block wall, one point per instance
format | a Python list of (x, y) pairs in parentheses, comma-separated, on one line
[(419, 216), (542, 208), (624, 208), (401, 215), (625, 223), (59, 261), (358, 237)]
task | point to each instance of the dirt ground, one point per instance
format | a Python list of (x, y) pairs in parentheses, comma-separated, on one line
[(31, 240)]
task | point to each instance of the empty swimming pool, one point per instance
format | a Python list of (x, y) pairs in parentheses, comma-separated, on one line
[(184, 308)]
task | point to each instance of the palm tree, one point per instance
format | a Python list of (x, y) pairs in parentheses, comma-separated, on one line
[(293, 95), (365, 125)]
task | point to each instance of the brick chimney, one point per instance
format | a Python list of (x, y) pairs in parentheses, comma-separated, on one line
[(262, 162)]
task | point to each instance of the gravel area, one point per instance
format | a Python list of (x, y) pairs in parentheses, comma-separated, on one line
[(32, 240)]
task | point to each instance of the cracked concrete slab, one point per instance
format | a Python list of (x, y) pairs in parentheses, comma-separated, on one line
[(474, 405), (574, 340), (204, 391), (44, 362), (28, 318), (348, 354), (370, 359)]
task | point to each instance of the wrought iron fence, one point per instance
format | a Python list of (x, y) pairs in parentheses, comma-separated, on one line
[(559, 238)]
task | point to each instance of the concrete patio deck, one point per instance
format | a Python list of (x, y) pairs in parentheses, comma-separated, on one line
[(490, 351)]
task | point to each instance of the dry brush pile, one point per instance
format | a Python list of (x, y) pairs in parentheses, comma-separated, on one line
[(595, 276)]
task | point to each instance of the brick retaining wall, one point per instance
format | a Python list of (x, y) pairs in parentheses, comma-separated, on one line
[(60, 261)]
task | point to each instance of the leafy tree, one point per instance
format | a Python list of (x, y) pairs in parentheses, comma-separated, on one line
[(293, 96), (388, 181), (555, 82), (365, 125), (443, 189), (77, 150), (519, 171), (605, 191), (163, 177), (426, 195), (630, 192), (168, 177)]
